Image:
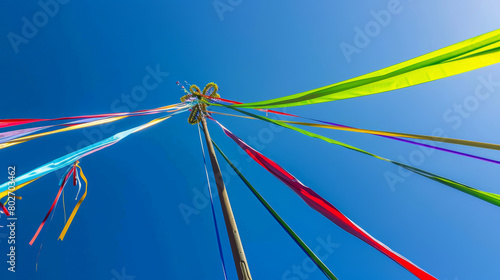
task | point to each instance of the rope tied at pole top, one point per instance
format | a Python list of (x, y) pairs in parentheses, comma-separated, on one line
[(199, 97)]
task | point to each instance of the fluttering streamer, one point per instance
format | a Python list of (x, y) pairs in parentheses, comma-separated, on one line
[(335, 126), (66, 177), (387, 134), (282, 223), (486, 196), (324, 207), (4, 210), (77, 206), (13, 134), (78, 126), (468, 55), (14, 137), (70, 158), (14, 122)]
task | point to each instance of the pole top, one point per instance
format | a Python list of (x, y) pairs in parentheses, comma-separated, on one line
[(200, 108)]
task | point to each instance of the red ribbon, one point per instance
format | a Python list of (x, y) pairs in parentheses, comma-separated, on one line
[(53, 205), (7, 213), (74, 176), (324, 207), (13, 122)]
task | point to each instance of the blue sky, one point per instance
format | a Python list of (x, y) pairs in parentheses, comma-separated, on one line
[(88, 57)]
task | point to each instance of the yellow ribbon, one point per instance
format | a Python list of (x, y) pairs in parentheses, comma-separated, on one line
[(386, 133), (68, 223), (6, 193), (38, 135)]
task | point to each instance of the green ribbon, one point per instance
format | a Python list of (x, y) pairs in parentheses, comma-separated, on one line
[(486, 196), (283, 224), (459, 58)]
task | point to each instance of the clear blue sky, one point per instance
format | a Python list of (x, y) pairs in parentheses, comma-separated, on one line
[(88, 57)]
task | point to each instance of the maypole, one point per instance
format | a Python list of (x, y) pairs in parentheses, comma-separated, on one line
[(198, 116)]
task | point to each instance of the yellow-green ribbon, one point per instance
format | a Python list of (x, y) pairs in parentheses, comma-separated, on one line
[(486, 196), (459, 58)]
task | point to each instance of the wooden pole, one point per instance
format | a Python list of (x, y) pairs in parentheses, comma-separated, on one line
[(240, 261)]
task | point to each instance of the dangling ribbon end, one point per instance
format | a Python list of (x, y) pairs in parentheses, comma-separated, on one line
[(5, 211)]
